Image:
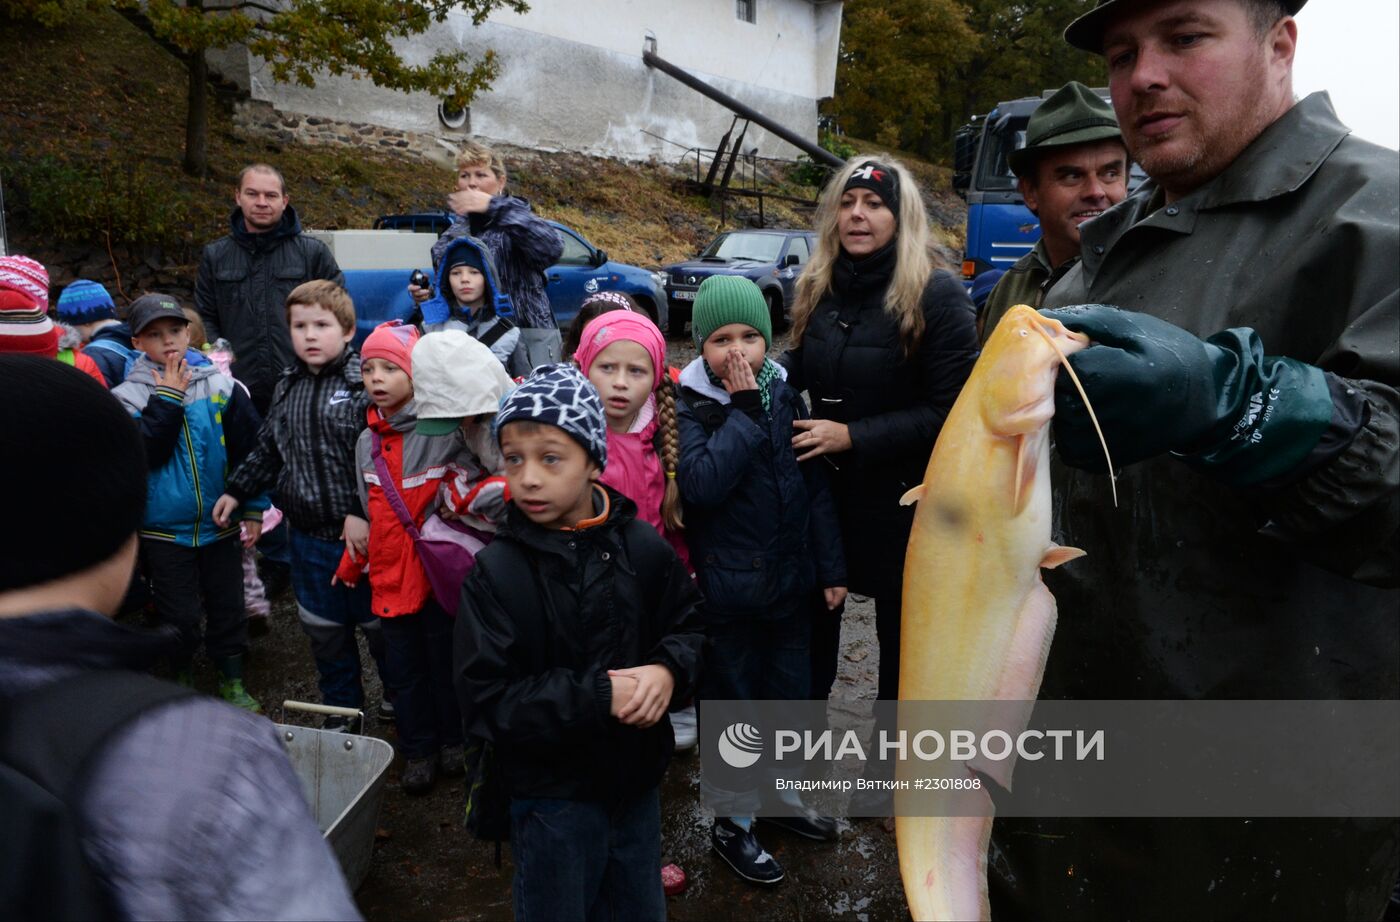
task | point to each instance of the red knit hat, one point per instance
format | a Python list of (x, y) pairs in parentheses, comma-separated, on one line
[(25, 326), (393, 341)]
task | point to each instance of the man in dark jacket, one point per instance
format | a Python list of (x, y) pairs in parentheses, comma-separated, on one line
[(245, 277), (1254, 551), (1073, 168), (190, 808)]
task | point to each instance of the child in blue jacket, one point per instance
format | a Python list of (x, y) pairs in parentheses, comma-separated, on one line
[(197, 424), (762, 532)]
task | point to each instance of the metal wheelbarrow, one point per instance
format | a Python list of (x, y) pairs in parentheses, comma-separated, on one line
[(342, 776)]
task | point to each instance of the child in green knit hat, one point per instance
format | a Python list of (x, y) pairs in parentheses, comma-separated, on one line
[(747, 499)]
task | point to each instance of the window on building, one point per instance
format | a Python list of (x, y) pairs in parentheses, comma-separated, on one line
[(746, 10)]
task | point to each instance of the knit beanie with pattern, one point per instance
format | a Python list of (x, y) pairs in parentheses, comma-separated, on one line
[(25, 326), (80, 445), (85, 302), (392, 340), (726, 299), (559, 395)]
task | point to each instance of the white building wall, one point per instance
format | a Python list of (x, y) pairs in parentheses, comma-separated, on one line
[(572, 76)]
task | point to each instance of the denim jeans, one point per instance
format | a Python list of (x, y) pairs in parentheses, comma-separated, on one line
[(418, 654), (753, 659), (329, 615), (585, 860)]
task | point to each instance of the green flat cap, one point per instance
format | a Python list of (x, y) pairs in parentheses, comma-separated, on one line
[(1086, 32), (1075, 114)]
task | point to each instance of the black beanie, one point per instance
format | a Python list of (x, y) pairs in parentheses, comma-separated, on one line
[(879, 179), (464, 255), (73, 467)]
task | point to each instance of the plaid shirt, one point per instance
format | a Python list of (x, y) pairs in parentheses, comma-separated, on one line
[(307, 447)]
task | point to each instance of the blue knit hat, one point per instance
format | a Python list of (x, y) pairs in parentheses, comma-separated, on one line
[(85, 302), (559, 395)]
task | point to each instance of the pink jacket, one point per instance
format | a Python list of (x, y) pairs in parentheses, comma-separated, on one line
[(634, 470)]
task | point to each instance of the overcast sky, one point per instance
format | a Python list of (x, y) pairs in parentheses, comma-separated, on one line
[(1351, 48)]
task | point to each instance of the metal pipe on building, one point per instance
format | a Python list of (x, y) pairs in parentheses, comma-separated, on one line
[(815, 151)]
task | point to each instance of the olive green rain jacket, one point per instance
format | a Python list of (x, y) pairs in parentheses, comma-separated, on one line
[(1192, 589)]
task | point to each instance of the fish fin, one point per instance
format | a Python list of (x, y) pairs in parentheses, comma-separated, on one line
[(913, 495), (1056, 555), (1026, 462)]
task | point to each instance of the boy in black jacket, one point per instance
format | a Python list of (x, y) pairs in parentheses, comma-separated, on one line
[(307, 449), (763, 535), (577, 628)]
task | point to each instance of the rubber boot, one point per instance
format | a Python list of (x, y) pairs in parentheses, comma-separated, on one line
[(231, 684)]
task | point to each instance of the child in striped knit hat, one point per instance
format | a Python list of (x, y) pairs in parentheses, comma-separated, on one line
[(25, 326)]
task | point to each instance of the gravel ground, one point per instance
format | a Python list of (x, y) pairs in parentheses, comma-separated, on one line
[(426, 866)]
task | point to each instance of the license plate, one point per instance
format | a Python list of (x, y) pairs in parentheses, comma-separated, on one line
[(683, 295)]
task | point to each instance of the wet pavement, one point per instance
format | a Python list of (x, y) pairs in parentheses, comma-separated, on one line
[(426, 866)]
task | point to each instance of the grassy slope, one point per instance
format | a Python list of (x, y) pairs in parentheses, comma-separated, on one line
[(99, 97)]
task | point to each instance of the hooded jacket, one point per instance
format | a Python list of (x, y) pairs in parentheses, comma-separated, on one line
[(523, 246), (184, 803), (489, 324), (192, 440), (70, 352), (852, 365), (430, 472), (761, 528), (306, 447), (241, 294), (544, 615), (1193, 589)]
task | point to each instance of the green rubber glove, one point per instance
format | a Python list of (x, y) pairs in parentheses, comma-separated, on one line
[(1220, 404)]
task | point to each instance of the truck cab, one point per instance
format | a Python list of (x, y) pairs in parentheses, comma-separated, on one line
[(1000, 229)]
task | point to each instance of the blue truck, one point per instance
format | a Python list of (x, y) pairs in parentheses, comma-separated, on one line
[(378, 262), (1000, 229)]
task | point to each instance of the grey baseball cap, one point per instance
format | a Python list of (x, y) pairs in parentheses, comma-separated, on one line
[(149, 308)]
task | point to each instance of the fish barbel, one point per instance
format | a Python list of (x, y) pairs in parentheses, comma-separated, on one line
[(977, 620)]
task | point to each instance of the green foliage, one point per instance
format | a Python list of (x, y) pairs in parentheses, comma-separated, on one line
[(71, 202), (911, 71), (810, 173)]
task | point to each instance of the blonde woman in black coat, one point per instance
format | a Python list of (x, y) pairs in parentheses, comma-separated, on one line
[(883, 340)]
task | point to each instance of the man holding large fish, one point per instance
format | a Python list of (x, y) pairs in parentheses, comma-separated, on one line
[(1245, 378)]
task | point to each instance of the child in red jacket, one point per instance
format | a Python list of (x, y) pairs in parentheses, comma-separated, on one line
[(392, 455)]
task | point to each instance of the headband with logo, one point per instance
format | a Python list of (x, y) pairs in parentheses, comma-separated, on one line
[(879, 179)]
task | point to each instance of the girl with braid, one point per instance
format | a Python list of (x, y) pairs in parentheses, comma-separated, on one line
[(624, 355)]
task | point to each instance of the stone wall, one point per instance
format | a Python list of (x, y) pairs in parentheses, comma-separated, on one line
[(258, 118)]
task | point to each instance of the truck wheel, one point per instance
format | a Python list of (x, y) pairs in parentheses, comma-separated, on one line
[(675, 324), (775, 311)]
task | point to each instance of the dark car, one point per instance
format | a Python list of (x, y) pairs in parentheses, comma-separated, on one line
[(772, 259)]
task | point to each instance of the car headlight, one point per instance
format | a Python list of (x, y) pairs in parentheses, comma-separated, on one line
[(659, 278)]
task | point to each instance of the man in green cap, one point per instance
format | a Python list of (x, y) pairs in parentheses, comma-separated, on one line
[(1244, 306), (1073, 168)]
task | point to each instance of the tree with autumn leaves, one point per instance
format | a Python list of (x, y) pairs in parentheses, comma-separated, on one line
[(300, 39), (911, 71)]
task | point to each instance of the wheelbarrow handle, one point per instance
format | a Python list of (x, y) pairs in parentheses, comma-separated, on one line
[(321, 709)]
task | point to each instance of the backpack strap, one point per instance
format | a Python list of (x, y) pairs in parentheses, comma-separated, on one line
[(709, 411), (53, 733), (391, 489), (500, 328)]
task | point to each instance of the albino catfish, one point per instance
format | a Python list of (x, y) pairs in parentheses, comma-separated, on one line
[(978, 621)]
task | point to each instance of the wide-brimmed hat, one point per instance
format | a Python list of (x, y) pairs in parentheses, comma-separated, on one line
[(1075, 114), (1086, 32)]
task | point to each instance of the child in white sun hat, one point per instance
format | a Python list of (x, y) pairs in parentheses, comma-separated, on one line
[(458, 385)]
